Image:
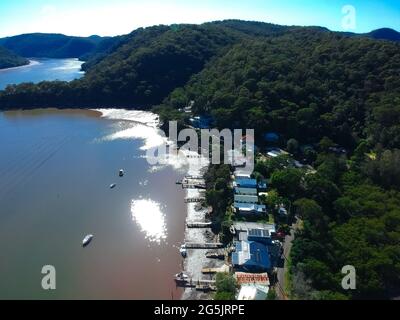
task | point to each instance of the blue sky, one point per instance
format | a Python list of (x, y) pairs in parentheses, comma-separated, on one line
[(112, 17)]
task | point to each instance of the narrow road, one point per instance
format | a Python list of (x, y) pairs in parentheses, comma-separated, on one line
[(287, 246)]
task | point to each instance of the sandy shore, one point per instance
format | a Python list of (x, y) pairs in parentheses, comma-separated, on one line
[(196, 259), (194, 165), (31, 64)]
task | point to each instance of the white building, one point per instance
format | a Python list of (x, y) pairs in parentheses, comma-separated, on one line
[(253, 292)]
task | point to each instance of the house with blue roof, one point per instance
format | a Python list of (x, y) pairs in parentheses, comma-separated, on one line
[(260, 235), (271, 137), (251, 256), (201, 122), (246, 183), (250, 208)]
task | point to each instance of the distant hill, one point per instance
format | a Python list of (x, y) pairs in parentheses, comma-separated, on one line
[(145, 66), (379, 34), (385, 34), (9, 59), (50, 45), (104, 47)]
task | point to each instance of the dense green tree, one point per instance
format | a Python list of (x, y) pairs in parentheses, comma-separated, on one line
[(288, 182), (9, 59), (292, 146), (226, 287)]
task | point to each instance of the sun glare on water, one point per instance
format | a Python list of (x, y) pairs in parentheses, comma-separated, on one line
[(151, 220)]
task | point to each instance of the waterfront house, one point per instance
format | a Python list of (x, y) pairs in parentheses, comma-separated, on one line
[(261, 235), (245, 183), (241, 226), (241, 174), (250, 209), (251, 256), (241, 198), (246, 191), (253, 286), (243, 278), (253, 292)]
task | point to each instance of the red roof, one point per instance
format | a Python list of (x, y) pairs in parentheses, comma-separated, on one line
[(255, 278)]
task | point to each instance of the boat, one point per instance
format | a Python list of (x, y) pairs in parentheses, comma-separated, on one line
[(215, 255), (181, 277), (183, 251), (121, 173), (87, 240), (112, 186)]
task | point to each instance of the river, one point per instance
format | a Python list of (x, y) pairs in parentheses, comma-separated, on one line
[(42, 69), (56, 168)]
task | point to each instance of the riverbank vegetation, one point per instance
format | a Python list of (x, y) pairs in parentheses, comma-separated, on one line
[(9, 59), (226, 286), (219, 193), (347, 218)]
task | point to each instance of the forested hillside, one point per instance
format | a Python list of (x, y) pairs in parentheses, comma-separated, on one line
[(322, 92), (9, 59), (141, 68), (42, 45), (305, 84)]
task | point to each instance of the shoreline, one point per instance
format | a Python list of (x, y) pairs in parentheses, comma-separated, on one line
[(30, 64), (195, 165)]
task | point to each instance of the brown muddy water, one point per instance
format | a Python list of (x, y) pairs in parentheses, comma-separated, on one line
[(55, 171)]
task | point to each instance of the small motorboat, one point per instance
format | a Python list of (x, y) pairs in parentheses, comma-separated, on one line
[(181, 277), (112, 186), (183, 251), (87, 240), (121, 173)]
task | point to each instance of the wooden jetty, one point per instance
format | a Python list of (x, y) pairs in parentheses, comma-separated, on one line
[(224, 268), (192, 182), (206, 287), (193, 200), (193, 186), (199, 224), (209, 270), (210, 245), (194, 177), (201, 284), (216, 255)]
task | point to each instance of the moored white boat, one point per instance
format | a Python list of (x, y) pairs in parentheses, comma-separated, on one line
[(87, 240), (183, 251), (181, 277)]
